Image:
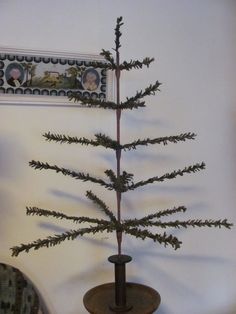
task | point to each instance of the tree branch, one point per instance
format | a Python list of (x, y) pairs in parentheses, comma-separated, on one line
[(118, 33), (107, 142), (136, 222), (61, 138), (119, 183), (160, 140), (150, 90), (161, 238), (108, 56), (90, 195), (194, 223), (76, 175), (177, 224), (101, 140), (59, 238), (172, 175), (135, 64), (90, 102), (44, 212)]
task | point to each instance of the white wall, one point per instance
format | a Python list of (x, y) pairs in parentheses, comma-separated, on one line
[(194, 45)]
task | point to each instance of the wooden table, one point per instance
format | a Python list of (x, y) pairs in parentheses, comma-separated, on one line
[(144, 300)]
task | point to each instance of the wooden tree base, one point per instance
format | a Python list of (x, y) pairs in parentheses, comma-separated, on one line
[(142, 299)]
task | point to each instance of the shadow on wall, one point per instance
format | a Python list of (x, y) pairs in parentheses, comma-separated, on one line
[(71, 197), (90, 275), (173, 284), (10, 171), (233, 145), (6, 211), (162, 310), (132, 121), (10, 153), (229, 310)]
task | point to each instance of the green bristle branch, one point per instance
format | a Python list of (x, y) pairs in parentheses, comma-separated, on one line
[(96, 103), (150, 90), (132, 64), (160, 238), (122, 183), (61, 138), (101, 140), (90, 102), (90, 195), (59, 238), (47, 213), (178, 224), (76, 175), (101, 65), (160, 140), (130, 103), (136, 64), (111, 175), (194, 223), (108, 56), (107, 142), (118, 33), (172, 175), (158, 214)]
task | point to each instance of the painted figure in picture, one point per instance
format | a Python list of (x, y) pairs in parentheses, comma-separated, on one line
[(90, 79), (14, 75)]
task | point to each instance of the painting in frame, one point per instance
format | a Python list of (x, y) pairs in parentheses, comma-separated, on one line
[(33, 76)]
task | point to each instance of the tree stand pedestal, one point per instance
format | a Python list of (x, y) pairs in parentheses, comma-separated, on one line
[(121, 297)]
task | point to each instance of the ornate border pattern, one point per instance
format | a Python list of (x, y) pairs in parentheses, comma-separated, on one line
[(44, 75)]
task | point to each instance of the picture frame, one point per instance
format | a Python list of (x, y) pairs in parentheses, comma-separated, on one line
[(49, 77)]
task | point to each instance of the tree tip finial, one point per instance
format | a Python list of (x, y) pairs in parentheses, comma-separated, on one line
[(118, 33), (119, 19)]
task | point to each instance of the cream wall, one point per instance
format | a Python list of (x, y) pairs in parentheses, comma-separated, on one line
[(194, 45)]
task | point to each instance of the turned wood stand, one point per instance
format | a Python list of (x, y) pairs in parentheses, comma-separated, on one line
[(121, 296), (142, 299)]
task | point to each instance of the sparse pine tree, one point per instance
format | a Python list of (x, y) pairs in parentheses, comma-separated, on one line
[(117, 180)]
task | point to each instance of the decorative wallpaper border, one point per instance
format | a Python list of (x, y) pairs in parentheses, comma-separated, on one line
[(37, 75)]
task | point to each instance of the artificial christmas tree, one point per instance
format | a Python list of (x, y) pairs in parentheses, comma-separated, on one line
[(120, 182)]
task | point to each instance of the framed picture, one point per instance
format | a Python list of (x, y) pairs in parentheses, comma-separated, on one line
[(38, 77)]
